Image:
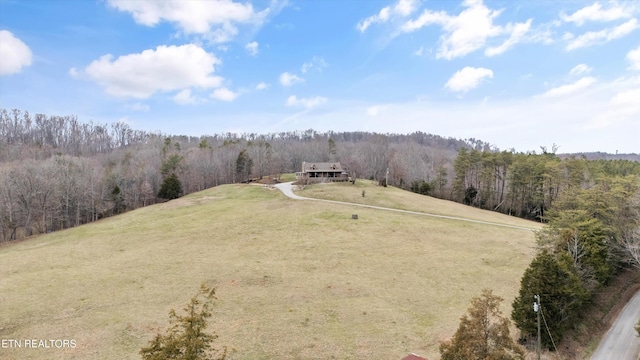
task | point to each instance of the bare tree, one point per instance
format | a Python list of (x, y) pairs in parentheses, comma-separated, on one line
[(629, 242), (8, 223)]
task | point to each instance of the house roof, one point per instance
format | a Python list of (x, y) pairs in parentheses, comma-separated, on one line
[(321, 167), (413, 356)]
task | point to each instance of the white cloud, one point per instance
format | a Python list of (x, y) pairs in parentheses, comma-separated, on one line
[(215, 20), (138, 107), (405, 7), (580, 69), (517, 32), (569, 89), (568, 36), (288, 79), (375, 110), (74, 73), (14, 53), (184, 97), (224, 94), (468, 78), (419, 52), (628, 101), (634, 58), (622, 107), (222, 34), (402, 8), (469, 30), (316, 62), (598, 37), (628, 98), (596, 12), (493, 120), (380, 17), (306, 102), (252, 48), (167, 68), (262, 86)]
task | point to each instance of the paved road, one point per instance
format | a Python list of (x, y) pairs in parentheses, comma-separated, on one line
[(621, 342), (287, 189)]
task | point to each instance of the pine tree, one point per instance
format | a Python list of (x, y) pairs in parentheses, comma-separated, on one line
[(171, 188), (186, 339), (244, 163), (562, 296)]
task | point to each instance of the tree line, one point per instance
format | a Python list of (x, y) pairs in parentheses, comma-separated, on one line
[(593, 233), (527, 184), (38, 136), (592, 211), (57, 172)]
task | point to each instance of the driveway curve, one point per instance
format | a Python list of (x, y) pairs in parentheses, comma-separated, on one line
[(287, 189), (621, 342)]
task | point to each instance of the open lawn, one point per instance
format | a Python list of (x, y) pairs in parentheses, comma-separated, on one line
[(405, 200), (295, 279)]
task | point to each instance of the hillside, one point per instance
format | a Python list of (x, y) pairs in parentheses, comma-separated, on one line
[(295, 279), (602, 156), (395, 198)]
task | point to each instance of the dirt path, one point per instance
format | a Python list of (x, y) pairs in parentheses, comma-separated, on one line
[(287, 189), (621, 342)]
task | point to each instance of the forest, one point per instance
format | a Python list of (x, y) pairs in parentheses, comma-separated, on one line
[(58, 172)]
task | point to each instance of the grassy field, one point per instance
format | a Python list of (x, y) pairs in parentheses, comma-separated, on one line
[(295, 279), (392, 197)]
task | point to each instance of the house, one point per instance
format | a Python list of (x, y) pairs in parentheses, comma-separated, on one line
[(322, 172)]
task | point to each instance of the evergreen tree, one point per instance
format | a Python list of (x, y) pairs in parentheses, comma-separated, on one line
[(244, 163), (332, 148), (586, 239), (562, 296), (171, 165), (118, 199), (171, 188), (186, 339), (483, 333)]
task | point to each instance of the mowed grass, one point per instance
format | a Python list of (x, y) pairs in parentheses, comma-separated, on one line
[(295, 279), (396, 198)]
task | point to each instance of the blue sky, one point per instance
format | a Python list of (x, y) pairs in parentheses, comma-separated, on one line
[(517, 74)]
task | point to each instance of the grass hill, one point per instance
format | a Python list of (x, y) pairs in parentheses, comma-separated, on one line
[(295, 279)]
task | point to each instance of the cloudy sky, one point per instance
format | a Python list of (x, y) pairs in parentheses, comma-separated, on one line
[(517, 74)]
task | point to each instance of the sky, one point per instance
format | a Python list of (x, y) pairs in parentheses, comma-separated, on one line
[(516, 74)]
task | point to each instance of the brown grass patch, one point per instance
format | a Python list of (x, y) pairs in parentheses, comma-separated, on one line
[(295, 279)]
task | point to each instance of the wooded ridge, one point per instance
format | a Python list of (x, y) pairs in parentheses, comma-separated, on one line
[(57, 172)]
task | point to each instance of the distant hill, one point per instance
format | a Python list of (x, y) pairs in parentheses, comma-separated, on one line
[(602, 156)]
